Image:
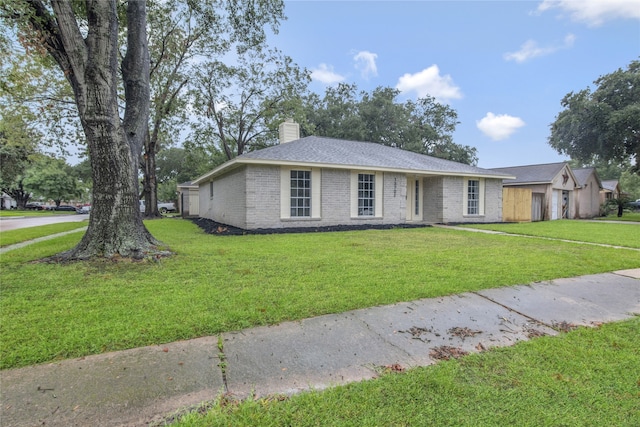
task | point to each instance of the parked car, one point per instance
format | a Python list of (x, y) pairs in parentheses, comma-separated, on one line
[(64, 208), (84, 209), (162, 207), (634, 205), (34, 206)]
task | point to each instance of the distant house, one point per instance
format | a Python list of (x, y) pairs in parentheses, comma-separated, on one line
[(188, 199), (552, 191), (315, 181), (610, 190), (6, 202), (587, 199)]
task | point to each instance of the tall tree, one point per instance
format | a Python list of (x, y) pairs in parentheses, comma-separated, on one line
[(82, 38), (239, 104), (182, 35), (603, 123), (423, 126)]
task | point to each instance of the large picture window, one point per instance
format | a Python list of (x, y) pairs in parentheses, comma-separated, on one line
[(366, 194), (473, 197), (300, 193)]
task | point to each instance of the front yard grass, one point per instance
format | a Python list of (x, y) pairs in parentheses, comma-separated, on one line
[(215, 284), (588, 377), (626, 216), (627, 235)]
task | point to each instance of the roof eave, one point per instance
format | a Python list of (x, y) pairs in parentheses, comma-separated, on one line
[(368, 168)]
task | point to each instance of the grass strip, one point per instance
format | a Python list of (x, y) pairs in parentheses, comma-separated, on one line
[(31, 213), (588, 377), (20, 235), (626, 216), (215, 284), (627, 235)]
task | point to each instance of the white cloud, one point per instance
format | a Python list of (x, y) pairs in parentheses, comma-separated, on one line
[(366, 63), (594, 12), (499, 127), (325, 74), (430, 82), (530, 49)]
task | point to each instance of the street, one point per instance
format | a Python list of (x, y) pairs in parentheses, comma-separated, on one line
[(13, 223)]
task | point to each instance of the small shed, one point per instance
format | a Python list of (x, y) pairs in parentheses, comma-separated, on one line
[(188, 199)]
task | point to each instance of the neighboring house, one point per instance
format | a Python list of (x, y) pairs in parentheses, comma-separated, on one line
[(316, 181), (188, 199), (552, 188), (587, 198), (610, 190), (6, 202)]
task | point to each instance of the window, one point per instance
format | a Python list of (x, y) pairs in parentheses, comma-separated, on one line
[(366, 194), (473, 197), (300, 193), (417, 197), (211, 189)]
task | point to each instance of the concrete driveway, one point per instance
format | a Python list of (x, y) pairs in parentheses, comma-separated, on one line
[(13, 223)]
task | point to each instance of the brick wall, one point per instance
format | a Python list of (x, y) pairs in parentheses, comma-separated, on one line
[(228, 204)]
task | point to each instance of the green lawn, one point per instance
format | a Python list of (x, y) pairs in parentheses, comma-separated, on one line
[(627, 235), (221, 283), (14, 212), (23, 234), (627, 216), (588, 377)]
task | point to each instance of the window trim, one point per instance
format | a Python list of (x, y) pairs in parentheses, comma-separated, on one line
[(378, 194), (285, 193)]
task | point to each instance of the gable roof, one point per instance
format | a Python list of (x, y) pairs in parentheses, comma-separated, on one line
[(583, 174), (534, 174), (610, 185), (314, 151)]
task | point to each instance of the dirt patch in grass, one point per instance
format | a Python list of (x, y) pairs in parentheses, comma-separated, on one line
[(564, 326), (213, 227)]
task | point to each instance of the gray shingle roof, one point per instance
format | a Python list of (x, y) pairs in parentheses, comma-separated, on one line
[(532, 173), (583, 174), (610, 184), (331, 151)]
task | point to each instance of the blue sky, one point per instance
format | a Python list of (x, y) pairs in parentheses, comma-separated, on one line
[(504, 66)]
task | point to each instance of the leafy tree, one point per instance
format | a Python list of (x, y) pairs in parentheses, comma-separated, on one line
[(32, 85), (182, 35), (630, 184), (82, 39), (604, 122), (52, 179), (423, 126), (18, 145), (238, 105)]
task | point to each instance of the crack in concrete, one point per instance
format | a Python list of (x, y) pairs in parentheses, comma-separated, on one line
[(540, 322)]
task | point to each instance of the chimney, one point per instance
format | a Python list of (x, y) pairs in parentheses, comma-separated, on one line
[(288, 131)]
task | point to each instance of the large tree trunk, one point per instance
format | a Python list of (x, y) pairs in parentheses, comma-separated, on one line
[(91, 66), (150, 178)]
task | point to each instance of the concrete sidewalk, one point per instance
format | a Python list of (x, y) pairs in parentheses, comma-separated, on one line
[(139, 386)]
